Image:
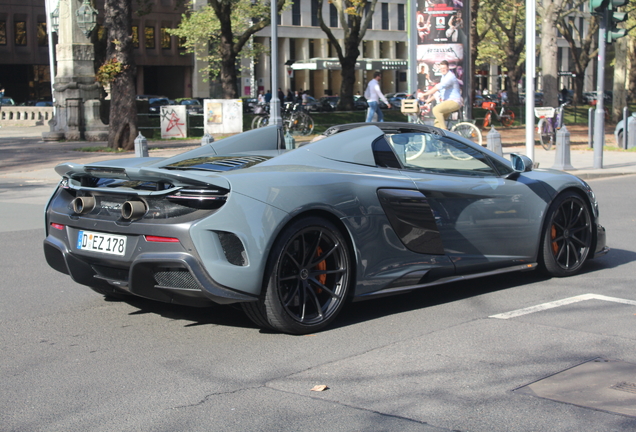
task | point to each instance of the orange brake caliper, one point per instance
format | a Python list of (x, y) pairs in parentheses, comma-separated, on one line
[(322, 266), (555, 245)]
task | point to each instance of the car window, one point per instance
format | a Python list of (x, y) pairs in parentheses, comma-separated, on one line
[(433, 153)]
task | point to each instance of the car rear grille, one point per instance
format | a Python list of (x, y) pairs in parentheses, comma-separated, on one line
[(176, 278)]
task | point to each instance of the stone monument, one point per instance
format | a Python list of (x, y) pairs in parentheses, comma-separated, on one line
[(76, 92)]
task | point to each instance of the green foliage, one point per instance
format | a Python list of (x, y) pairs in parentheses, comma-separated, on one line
[(495, 17), (108, 72), (200, 31)]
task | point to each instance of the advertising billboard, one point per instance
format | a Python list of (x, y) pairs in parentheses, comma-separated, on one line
[(441, 28)]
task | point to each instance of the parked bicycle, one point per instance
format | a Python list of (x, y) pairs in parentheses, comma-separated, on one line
[(295, 120), (505, 116), (468, 130), (549, 123)]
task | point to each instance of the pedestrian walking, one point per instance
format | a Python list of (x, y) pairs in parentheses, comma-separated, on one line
[(373, 94)]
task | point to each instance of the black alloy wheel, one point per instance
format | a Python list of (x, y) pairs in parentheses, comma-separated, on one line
[(309, 274), (567, 237)]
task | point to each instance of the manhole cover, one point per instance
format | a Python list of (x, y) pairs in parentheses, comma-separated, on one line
[(601, 384)]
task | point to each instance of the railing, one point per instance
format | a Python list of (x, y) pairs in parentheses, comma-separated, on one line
[(11, 115)]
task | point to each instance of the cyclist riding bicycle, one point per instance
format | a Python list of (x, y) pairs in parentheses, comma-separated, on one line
[(448, 88)]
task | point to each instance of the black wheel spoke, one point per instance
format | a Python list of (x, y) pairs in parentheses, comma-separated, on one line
[(324, 256)]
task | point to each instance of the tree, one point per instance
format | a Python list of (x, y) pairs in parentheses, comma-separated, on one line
[(354, 22), (218, 33), (504, 41), (550, 13), (118, 71), (583, 44)]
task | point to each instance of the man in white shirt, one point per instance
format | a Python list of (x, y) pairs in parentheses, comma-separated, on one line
[(373, 94), (448, 88)]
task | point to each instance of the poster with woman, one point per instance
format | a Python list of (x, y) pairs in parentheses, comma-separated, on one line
[(441, 35)]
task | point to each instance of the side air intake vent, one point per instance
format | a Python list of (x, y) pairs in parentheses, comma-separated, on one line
[(233, 248)]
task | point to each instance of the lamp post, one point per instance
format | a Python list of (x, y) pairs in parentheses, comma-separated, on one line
[(274, 105)]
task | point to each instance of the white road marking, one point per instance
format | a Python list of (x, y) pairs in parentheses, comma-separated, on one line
[(557, 303)]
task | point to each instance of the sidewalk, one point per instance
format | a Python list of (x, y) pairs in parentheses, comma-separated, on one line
[(24, 156)]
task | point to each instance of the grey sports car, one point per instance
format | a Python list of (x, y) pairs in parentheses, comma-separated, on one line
[(363, 211)]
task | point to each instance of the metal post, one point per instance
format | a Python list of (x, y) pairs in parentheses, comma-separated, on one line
[(599, 123), (531, 44), (493, 141), (141, 146), (625, 126), (274, 104), (562, 154), (411, 25), (590, 128)]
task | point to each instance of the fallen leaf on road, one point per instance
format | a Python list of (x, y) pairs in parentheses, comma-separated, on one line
[(320, 388)]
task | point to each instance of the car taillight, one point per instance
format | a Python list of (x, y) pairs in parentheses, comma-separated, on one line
[(158, 239), (200, 198)]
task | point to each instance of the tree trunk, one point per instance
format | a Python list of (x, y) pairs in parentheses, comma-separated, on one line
[(619, 98), (549, 54), (122, 129), (348, 73), (228, 76), (631, 86)]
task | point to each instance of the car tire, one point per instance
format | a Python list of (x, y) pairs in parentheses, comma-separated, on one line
[(567, 236), (307, 279)]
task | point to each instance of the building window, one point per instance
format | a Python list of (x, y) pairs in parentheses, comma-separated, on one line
[(400, 18), (292, 49), (182, 43), (385, 16), (367, 11), (135, 36), (43, 38), (311, 48), (20, 33), (314, 13), (296, 13), (150, 37), (333, 16), (166, 39), (3, 32)]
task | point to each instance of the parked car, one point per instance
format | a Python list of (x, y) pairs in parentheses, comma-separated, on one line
[(193, 106), (155, 104), (395, 99), (292, 235), (6, 101), (619, 131)]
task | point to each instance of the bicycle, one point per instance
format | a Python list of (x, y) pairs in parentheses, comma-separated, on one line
[(411, 108), (549, 124), (505, 116), (295, 120), (260, 111)]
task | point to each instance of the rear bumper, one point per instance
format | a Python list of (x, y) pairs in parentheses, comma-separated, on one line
[(172, 277)]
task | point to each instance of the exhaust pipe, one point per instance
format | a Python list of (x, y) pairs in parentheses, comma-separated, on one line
[(83, 205), (133, 210)]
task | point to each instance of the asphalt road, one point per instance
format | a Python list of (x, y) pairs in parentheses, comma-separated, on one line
[(432, 360)]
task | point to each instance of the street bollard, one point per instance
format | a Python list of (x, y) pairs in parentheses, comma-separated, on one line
[(493, 141), (630, 131), (290, 142), (207, 139), (141, 146), (562, 156), (623, 144), (590, 128)]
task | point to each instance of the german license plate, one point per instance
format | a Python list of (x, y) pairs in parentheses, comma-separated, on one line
[(101, 242)]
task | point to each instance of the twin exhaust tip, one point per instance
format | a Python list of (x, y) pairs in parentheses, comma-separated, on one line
[(129, 210)]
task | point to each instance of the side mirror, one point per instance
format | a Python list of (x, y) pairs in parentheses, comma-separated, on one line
[(520, 163)]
